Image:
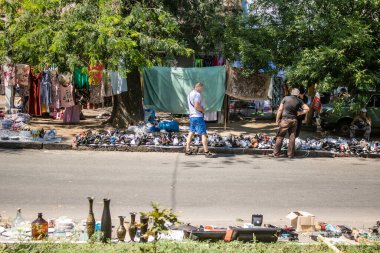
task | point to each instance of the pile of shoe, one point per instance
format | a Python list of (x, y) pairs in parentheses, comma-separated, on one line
[(137, 137)]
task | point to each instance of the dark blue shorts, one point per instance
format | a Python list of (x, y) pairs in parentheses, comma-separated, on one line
[(198, 125)]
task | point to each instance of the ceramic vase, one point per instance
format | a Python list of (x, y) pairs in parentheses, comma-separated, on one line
[(90, 223), (144, 228), (121, 231), (132, 227), (106, 226)]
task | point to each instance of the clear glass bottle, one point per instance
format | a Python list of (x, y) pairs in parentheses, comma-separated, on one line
[(39, 228), (18, 223)]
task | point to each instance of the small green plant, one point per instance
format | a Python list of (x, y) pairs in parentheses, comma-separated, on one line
[(160, 219)]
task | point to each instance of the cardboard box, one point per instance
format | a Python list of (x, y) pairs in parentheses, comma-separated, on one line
[(302, 221)]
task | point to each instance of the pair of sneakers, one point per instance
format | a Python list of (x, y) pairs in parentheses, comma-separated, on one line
[(208, 154)]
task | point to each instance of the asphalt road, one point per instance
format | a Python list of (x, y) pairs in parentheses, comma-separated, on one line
[(202, 191)]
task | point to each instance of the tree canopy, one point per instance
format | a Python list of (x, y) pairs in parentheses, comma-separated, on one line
[(72, 33), (330, 42)]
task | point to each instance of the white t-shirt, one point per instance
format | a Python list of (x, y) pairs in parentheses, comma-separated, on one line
[(193, 97)]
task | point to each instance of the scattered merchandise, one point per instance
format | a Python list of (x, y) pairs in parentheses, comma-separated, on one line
[(66, 229), (150, 135), (302, 221)]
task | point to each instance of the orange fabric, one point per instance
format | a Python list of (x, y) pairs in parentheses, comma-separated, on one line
[(96, 74), (228, 236)]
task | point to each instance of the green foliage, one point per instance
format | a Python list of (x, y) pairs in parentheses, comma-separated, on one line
[(160, 219), (331, 42), (72, 33), (167, 246)]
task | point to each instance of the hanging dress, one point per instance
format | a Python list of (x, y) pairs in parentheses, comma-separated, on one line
[(34, 95), (45, 90), (66, 90), (55, 91)]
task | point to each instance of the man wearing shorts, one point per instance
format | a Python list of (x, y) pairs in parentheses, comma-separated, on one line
[(197, 122)]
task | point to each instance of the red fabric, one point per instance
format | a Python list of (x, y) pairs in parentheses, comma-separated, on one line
[(34, 95), (216, 61), (96, 74), (316, 104)]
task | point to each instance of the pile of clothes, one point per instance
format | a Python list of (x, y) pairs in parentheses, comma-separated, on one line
[(133, 137), (14, 121), (338, 231)]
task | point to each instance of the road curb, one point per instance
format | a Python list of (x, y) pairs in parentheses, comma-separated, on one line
[(20, 145), (57, 146), (172, 149)]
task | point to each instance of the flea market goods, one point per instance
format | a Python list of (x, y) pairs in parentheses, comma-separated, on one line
[(90, 223), (106, 226), (132, 227), (144, 228), (121, 231), (18, 222), (39, 228)]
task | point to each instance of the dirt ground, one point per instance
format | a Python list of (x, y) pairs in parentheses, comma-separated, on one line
[(68, 132)]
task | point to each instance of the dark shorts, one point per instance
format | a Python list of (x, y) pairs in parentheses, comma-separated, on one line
[(198, 125)]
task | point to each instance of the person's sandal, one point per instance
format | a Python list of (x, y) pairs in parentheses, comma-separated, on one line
[(208, 154), (188, 152)]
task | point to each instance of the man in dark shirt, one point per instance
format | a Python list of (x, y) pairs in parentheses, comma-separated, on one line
[(290, 108)]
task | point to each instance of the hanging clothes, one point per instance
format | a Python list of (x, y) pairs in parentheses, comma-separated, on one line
[(22, 74), (221, 61), (118, 82), (198, 63), (106, 85), (34, 94), (2, 87), (8, 74), (278, 91), (45, 90), (167, 89), (216, 61), (96, 94), (9, 98), (72, 115), (66, 90), (55, 91), (80, 78), (254, 87), (95, 74)]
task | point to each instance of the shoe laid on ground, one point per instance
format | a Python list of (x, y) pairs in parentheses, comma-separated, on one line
[(208, 154)]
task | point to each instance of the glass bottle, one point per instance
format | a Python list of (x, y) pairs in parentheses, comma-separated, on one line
[(18, 222), (39, 228)]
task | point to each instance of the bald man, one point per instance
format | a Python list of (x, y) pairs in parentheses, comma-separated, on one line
[(291, 107)]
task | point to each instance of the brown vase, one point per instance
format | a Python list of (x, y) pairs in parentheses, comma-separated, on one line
[(132, 227), (144, 228), (121, 231), (39, 228), (90, 223)]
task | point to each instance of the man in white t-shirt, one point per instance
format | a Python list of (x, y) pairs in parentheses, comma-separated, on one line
[(197, 122)]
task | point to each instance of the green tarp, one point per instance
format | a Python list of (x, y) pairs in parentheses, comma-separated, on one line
[(166, 89)]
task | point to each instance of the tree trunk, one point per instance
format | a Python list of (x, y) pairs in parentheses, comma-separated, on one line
[(127, 108)]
